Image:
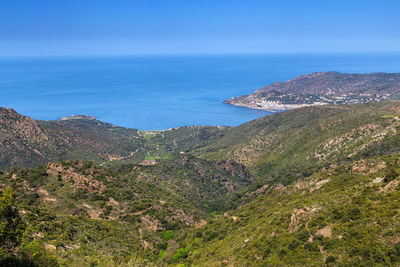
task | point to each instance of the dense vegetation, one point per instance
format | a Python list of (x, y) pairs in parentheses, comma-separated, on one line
[(346, 215), (311, 186), (102, 214)]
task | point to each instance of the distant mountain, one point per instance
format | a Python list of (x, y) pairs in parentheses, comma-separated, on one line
[(323, 88)]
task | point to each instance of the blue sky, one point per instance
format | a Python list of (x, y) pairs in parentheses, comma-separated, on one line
[(119, 27)]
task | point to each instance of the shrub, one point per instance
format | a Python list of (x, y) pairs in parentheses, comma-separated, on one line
[(330, 259), (180, 254), (390, 172), (38, 255), (168, 235), (11, 225)]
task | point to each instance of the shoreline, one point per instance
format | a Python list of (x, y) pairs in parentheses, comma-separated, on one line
[(270, 106)]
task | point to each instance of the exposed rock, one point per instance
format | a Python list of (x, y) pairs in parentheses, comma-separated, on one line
[(390, 187), (299, 216), (50, 247), (377, 180), (200, 224), (147, 162), (77, 180), (50, 199), (150, 223), (326, 231), (280, 188)]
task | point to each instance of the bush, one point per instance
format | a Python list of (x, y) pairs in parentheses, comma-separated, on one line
[(38, 255), (390, 172), (180, 254), (330, 259), (168, 235), (11, 224)]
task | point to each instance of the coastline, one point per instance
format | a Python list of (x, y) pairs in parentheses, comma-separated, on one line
[(270, 106)]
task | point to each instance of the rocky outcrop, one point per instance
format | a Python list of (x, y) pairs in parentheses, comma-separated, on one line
[(22, 126)]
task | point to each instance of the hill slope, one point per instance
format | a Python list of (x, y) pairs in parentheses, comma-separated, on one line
[(82, 211), (27, 142), (290, 145), (323, 88), (325, 190), (345, 215)]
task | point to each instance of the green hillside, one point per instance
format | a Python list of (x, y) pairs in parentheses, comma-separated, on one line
[(306, 187), (85, 212), (26, 142), (347, 215), (290, 145)]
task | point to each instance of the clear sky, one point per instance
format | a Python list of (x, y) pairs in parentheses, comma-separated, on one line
[(118, 27)]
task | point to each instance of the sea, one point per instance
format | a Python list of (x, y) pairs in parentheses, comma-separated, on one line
[(161, 92)]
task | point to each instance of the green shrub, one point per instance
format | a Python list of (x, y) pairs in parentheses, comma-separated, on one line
[(38, 254), (168, 235), (180, 254), (11, 224), (390, 172), (330, 259)]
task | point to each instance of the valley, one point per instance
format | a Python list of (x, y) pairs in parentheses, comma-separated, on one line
[(310, 186)]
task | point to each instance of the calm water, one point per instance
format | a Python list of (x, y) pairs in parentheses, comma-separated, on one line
[(160, 92)]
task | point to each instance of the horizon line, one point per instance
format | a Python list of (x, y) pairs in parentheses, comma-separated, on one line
[(199, 54)]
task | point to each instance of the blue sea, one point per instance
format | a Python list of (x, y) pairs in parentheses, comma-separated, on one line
[(160, 92)]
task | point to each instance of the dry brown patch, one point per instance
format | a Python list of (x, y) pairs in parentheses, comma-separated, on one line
[(200, 224), (50, 199), (93, 213), (43, 191), (325, 232), (150, 223), (147, 162), (299, 216), (390, 187), (50, 247)]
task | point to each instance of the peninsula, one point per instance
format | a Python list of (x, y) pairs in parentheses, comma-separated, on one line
[(78, 117), (322, 88)]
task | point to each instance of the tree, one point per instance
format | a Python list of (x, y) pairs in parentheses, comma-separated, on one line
[(390, 172), (11, 224)]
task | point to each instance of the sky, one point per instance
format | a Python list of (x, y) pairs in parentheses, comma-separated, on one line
[(142, 27)]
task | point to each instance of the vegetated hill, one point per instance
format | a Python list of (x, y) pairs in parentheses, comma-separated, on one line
[(26, 142), (316, 197), (336, 83), (286, 146), (82, 212), (322, 88), (344, 215)]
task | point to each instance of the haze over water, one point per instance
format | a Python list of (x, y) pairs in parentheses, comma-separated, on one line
[(159, 92)]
